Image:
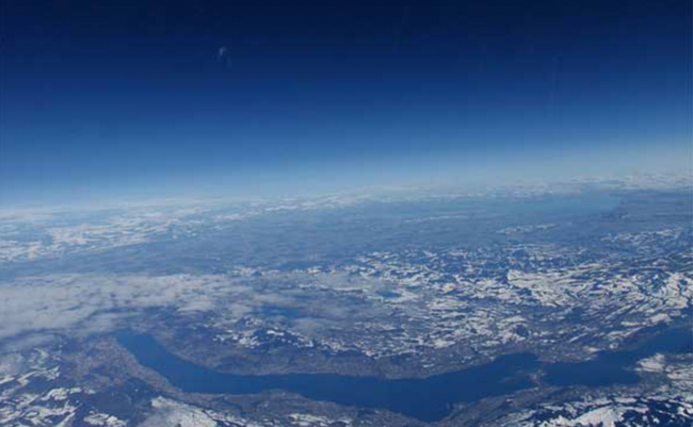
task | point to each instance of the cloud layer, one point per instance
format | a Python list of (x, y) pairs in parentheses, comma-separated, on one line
[(51, 303)]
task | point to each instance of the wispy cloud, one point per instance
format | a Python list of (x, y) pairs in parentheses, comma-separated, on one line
[(54, 303)]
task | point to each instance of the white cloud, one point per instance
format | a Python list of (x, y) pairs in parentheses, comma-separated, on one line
[(62, 302), (90, 303)]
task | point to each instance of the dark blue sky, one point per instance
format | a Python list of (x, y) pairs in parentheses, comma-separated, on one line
[(112, 98)]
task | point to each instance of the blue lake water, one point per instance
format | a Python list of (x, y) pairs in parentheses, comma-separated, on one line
[(426, 399), (612, 367)]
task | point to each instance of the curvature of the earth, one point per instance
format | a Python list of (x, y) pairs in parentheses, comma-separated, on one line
[(400, 286)]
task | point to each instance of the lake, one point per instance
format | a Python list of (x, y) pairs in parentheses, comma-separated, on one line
[(426, 399)]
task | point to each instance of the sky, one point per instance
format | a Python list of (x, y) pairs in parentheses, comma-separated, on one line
[(102, 99)]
